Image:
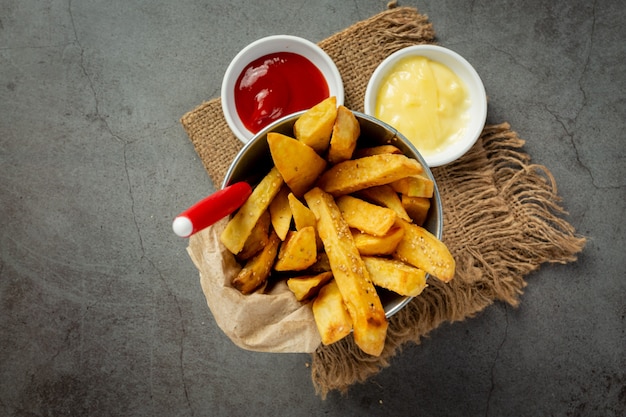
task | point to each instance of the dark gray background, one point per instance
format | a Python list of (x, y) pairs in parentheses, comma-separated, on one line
[(101, 309)]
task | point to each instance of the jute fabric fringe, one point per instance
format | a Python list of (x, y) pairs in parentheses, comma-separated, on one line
[(502, 220), (502, 214)]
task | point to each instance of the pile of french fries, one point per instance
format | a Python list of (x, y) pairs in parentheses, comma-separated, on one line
[(337, 221)]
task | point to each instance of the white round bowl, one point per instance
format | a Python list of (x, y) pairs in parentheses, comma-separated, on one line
[(269, 45), (464, 70)]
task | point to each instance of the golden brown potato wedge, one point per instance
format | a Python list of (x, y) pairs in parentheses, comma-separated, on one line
[(297, 162), (258, 238), (423, 250), (376, 150), (355, 285), (308, 286), (369, 245), (395, 275), (241, 224), (298, 251), (385, 196), (302, 216), (417, 208), (366, 217), (255, 272), (315, 126), (414, 186), (357, 174), (346, 131), (331, 315), (280, 212)]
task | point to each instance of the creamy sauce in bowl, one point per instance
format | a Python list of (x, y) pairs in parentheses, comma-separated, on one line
[(426, 101)]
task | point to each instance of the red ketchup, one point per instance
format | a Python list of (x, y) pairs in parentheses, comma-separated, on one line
[(277, 85)]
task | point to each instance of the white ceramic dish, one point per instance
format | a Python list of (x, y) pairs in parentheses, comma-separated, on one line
[(464, 70), (269, 45)]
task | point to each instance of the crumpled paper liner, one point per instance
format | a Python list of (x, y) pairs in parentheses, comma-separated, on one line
[(502, 220), (264, 322)]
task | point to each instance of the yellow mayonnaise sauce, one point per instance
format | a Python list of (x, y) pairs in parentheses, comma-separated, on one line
[(425, 101)]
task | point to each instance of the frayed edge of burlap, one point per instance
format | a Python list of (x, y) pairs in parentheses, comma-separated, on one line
[(513, 226)]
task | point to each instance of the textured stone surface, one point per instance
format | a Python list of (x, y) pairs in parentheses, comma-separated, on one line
[(102, 312)]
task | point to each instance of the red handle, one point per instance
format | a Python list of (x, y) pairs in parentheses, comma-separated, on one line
[(213, 208)]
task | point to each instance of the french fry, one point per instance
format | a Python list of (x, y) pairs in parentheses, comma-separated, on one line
[(423, 250), (308, 286), (385, 196), (356, 174), (414, 186), (258, 238), (417, 208), (314, 127), (346, 131), (376, 150), (280, 212), (358, 292), (257, 269), (331, 315), (395, 275), (241, 224), (378, 245), (298, 251), (297, 162), (302, 216), (364, 216)]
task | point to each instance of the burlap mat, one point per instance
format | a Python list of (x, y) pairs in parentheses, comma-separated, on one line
[(502, 217)]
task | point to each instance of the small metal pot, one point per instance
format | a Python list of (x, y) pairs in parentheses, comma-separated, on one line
[(254, 161)]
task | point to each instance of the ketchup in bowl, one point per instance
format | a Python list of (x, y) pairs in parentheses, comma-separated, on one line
[(276, 85)]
